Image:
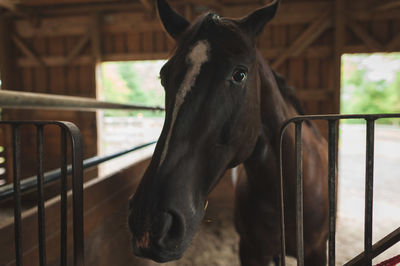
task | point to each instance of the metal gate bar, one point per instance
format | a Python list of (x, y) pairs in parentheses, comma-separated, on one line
[(67, 129), (370, 251)]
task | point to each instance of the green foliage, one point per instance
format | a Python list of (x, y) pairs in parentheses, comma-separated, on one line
[(363, 94), (122, 84)]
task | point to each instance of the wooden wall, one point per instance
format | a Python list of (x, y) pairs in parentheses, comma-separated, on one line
[(58, 50)]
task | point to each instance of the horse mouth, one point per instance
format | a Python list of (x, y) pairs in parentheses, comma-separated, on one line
[(156, 253)]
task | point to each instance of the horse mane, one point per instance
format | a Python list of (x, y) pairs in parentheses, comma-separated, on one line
[(289, 93)]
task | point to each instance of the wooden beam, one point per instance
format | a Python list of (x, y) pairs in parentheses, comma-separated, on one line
[(26, 50), (271, 53), (306, 38), (78, 48), (52, 61), (365, 36), (385, 5), (147, 5)]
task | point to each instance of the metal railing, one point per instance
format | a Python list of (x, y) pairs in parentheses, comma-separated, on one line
[(26, 100), (370, 251), (29, 100), (67, 130)]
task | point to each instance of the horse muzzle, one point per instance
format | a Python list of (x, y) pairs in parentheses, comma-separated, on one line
[(160, 239)]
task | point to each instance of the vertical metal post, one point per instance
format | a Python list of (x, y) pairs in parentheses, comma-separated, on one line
[(299, 194), (332, 190), (16, 133), (77, 194), (282, 204), (369, 183), (41, 209), (63, 255)]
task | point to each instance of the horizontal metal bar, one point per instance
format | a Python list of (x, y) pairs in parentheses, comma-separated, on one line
[(30, 183), (336, 117), (29, 100)]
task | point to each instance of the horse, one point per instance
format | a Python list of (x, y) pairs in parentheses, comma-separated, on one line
[(225, 107)]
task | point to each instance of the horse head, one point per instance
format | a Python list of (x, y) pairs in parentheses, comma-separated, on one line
[(212, 124)]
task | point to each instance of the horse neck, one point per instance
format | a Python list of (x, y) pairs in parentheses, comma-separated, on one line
[(262, 166)]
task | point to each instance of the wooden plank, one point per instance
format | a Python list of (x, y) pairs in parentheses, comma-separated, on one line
[(314, 94), (380, 31), (364, 36), (388, 4), (108, 43), (270, 53), (306, 38), (53, 26), (132, 42), (159, 42), (120, 43), (147, 42), (290, 13), (394, 44), (296, 73), (371, 15), (137, 56)]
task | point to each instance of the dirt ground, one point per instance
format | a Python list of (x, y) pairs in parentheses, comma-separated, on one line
[(216, 242)]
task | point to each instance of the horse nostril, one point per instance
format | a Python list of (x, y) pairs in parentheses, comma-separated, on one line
[(172, 229)]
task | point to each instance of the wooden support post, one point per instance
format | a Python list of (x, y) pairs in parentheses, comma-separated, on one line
[(95, 38), (7, 77), (340, 27), (306, 38)]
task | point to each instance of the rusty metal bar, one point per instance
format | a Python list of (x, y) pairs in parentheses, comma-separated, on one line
[(299, 195), (369, 183), (29, 100), (16, 133), (379, 247), (371, 251), (63, 201), (332, 190), (40, 189)]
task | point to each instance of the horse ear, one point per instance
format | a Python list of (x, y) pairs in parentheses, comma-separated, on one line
[(173, 22), (255, 22)]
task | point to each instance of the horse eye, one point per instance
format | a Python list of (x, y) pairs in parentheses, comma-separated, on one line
[(239, 75)]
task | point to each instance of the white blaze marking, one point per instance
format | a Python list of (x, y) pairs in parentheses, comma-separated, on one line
[(197, 56)]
